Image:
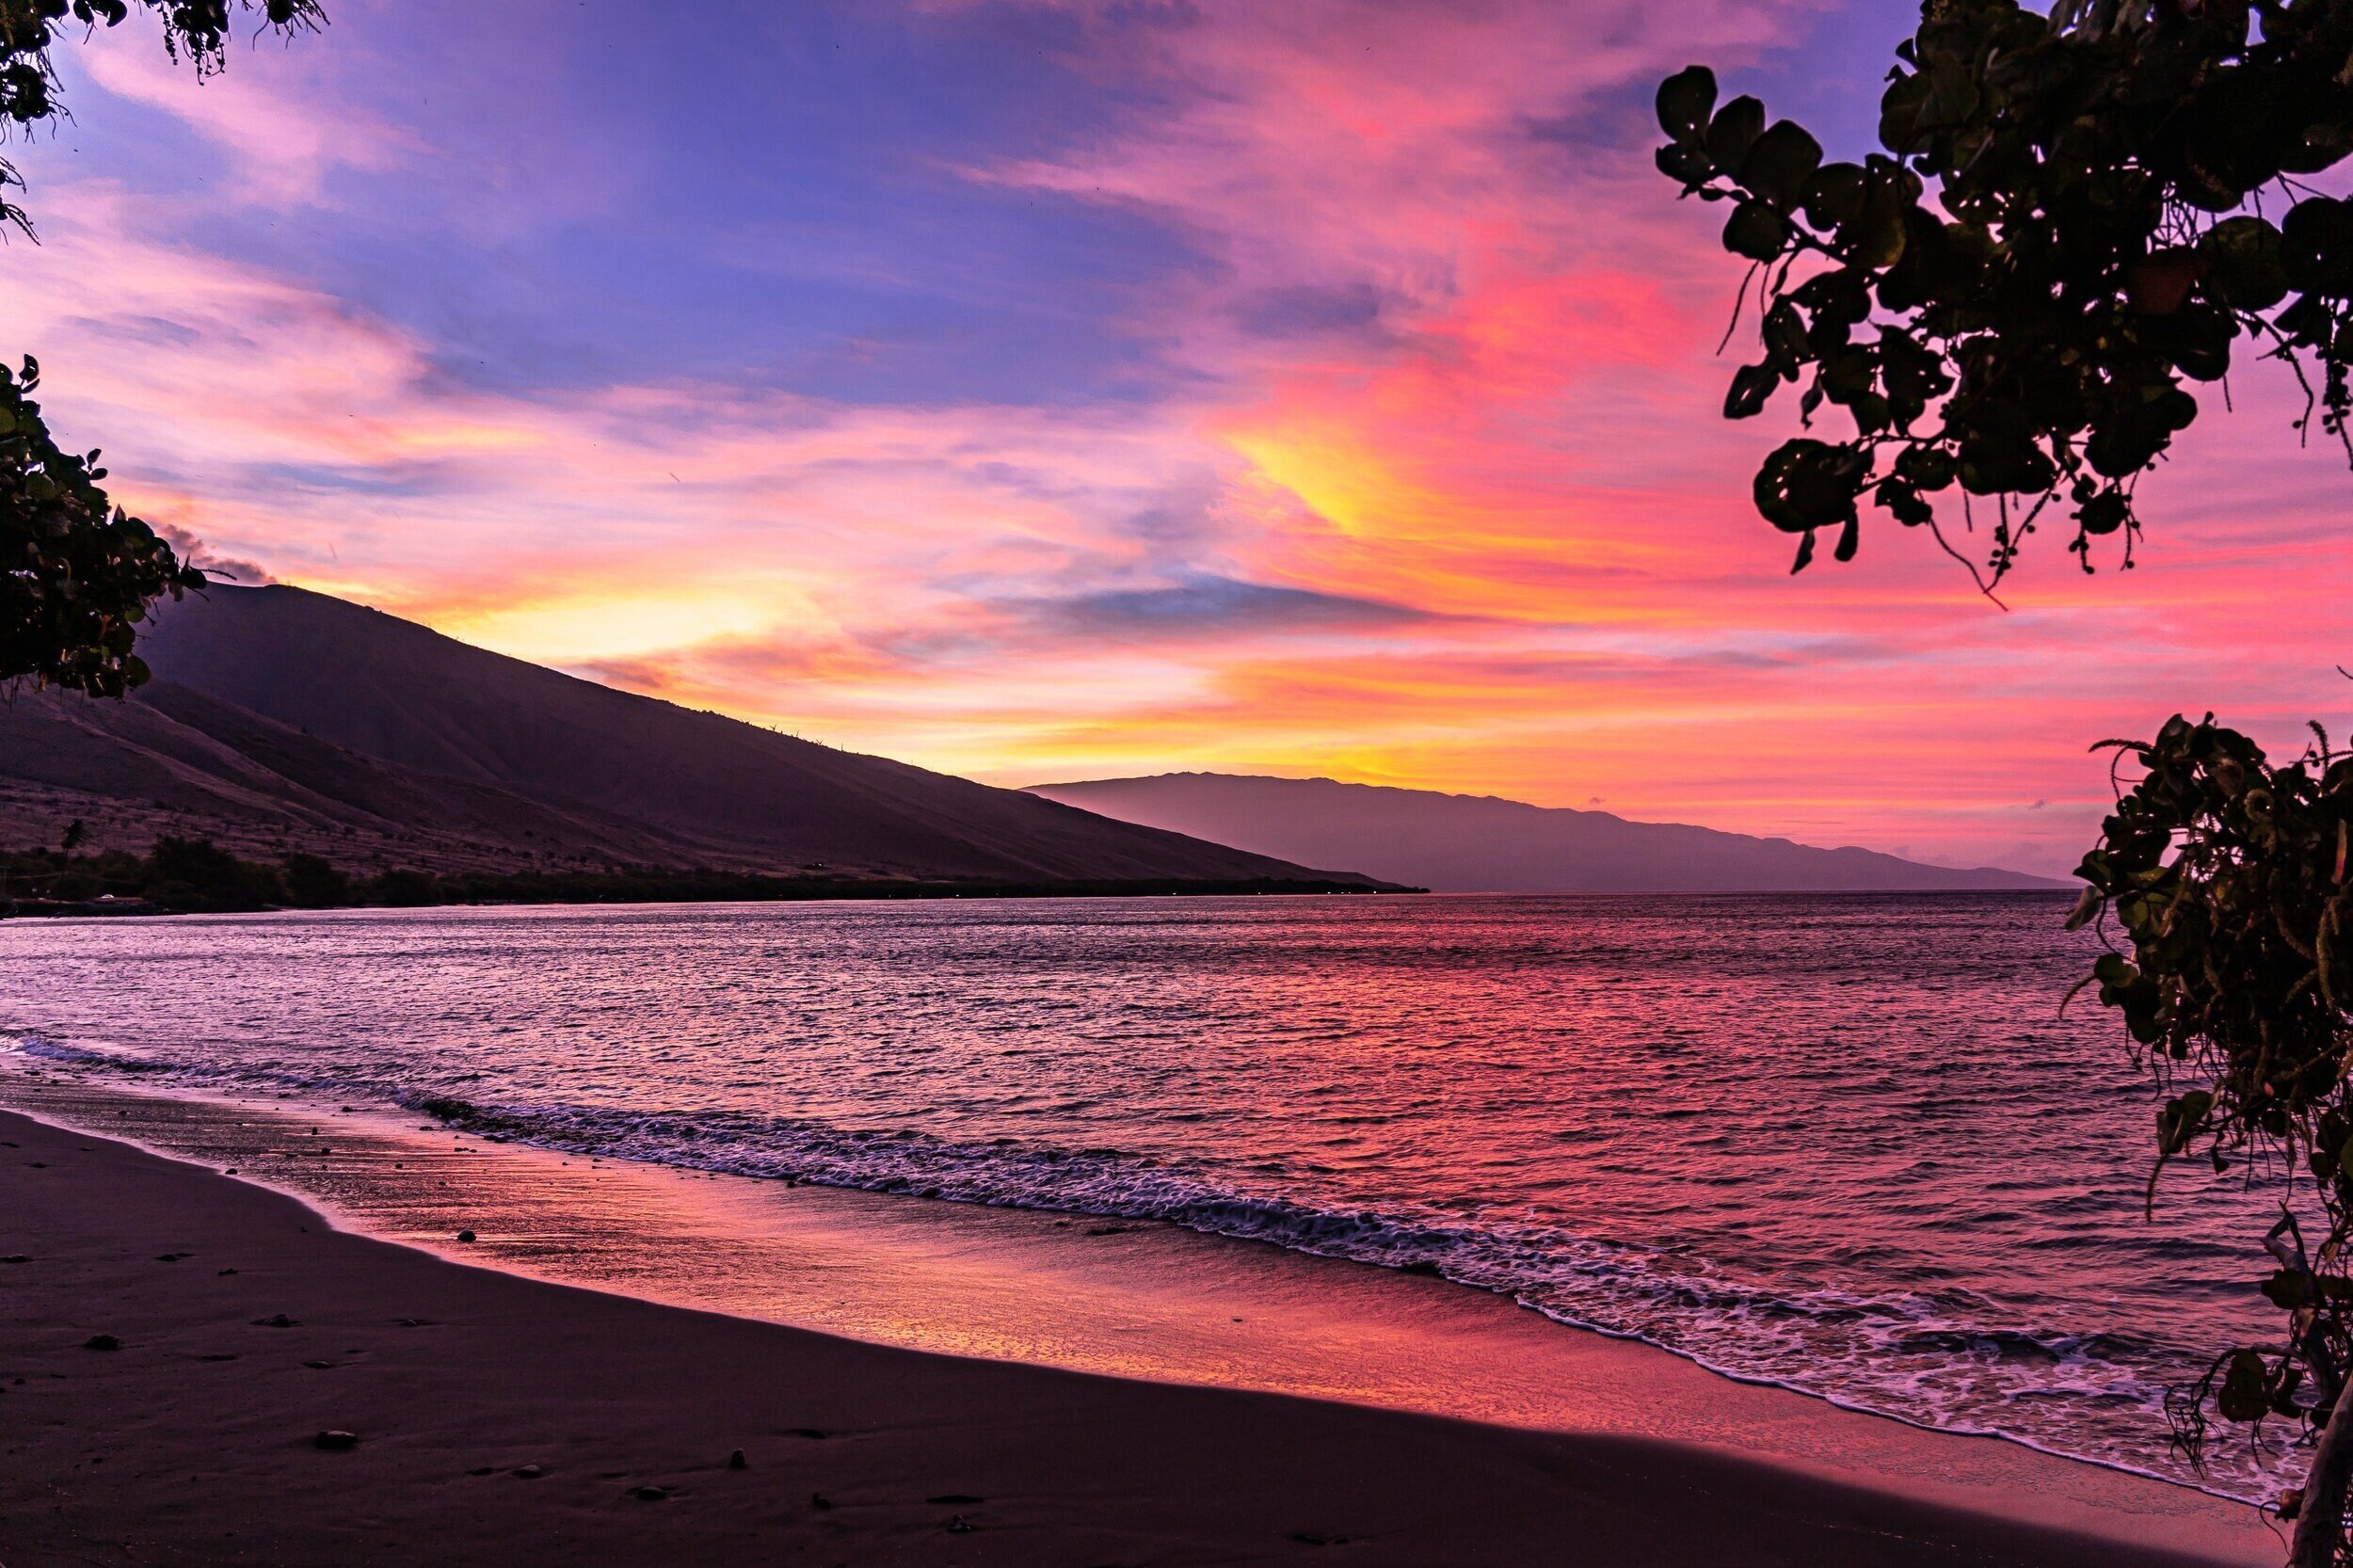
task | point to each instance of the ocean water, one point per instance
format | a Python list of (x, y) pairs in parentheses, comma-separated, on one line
[(1845, 1144)]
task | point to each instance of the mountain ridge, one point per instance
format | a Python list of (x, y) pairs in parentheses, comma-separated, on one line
[(1451, 842)]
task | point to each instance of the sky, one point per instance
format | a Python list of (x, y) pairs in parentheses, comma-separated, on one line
[(1053, 391)]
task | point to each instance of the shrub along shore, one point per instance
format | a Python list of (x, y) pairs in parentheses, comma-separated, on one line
[(181, 876)]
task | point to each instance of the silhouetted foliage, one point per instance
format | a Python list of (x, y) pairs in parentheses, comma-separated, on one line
[(80, 572), (194, 875), (406, 890), (314, 883), (2073, 215), (2231, 880), (76, 572)]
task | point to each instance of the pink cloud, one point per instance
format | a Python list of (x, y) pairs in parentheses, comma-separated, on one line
[(280, 146)]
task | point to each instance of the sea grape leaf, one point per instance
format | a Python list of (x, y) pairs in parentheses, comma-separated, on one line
[(1756, 231), (1685, 100), (1780, 163), (1735, 130)]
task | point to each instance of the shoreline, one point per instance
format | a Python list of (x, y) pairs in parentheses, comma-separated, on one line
[(1034, 1293), (884, 890), (356, 1196), (584, 891)]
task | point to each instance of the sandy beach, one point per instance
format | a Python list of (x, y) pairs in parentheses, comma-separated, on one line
[(502, 1418)]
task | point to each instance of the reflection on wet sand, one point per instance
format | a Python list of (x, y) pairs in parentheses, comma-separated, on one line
[(1129, 1299)]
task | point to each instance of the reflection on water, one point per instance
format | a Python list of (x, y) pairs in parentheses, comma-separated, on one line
[(1843, 1142)]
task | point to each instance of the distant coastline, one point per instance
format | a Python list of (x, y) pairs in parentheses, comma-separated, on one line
[(194, 876), (1459, 843)]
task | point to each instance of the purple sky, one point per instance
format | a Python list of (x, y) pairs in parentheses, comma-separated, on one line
[(1043, 391)]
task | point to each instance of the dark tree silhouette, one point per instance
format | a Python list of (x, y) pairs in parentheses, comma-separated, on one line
[(2074, 217), (2229, 877), (76, 572)]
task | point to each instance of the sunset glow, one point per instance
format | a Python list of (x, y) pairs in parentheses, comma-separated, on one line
[(1050, 391)]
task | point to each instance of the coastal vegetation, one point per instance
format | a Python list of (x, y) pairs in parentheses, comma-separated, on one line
[(2229, 879), (81, 571), (2074, 219), (180, 876), (2075, 216)]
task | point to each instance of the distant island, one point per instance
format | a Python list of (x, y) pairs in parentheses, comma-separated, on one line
[(1482, 845), (294, 747)]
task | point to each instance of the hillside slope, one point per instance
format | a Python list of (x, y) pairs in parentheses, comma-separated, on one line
[(1478, 843), (173, 761)]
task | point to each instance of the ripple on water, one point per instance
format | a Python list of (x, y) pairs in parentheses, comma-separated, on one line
[(1843, 1144)]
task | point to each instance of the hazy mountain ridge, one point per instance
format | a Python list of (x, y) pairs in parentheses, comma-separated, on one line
[(1484, 843), (284, 716)]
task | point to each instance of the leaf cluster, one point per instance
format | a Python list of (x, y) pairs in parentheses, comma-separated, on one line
[(2231, 879), (76, 572), (2073, 219)]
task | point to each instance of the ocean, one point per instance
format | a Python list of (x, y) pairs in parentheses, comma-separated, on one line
[(1846, 1144)]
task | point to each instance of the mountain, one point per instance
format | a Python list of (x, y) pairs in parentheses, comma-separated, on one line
[(173, 761), (1478, 843), (282, 719)]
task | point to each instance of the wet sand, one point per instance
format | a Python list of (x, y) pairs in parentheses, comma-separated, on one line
[(1472, 1432)]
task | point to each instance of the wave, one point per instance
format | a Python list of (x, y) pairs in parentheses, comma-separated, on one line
[(1921, 1356)]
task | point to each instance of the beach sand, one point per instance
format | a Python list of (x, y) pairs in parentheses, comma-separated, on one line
[(194, 1441)]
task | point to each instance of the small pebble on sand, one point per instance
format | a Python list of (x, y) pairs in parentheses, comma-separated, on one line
[(102, 1342), (335, 1442)]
